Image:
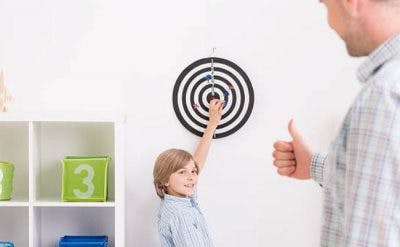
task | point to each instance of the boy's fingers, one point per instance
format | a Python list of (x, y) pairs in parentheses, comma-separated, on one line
[(221, 105), (214, 101)]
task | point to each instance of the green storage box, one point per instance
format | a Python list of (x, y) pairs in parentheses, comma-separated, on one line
[(6, 180), (84, 179)]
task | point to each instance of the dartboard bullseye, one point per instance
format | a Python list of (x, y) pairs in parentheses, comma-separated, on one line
[(207, 79)]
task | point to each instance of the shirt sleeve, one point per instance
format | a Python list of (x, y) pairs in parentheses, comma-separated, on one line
[(164, 231), (371, 187), (317, 167)]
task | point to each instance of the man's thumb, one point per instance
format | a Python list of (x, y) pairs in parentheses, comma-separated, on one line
[(293, 130)]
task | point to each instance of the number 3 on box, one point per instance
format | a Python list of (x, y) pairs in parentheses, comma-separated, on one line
[(87, 181)]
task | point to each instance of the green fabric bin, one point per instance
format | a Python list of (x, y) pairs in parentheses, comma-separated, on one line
[(6, 180), (84, 179)]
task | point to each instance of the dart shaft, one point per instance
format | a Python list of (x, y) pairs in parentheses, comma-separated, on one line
[(212, 77)]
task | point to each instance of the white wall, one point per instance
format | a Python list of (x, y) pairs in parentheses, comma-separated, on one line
[(124, 56)]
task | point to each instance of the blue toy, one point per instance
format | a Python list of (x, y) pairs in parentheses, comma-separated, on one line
[(6, 244), (83, 241)]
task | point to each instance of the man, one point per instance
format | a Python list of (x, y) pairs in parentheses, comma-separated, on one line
[(360, 174)]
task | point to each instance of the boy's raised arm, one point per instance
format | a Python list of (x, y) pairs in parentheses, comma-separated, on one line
[(215, 112)]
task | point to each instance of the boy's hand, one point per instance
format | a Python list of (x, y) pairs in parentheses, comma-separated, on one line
[(215, 112)]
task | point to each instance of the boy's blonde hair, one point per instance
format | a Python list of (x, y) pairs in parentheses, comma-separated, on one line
[(167, 163)]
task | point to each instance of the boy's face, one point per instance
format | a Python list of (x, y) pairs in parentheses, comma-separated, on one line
[(183, 182)]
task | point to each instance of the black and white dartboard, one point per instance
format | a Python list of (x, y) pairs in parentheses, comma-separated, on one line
[(210, 78)]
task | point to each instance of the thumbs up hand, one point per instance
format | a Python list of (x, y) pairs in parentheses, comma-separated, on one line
[(293, 158)]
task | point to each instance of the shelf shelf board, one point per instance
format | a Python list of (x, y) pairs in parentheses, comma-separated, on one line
[(14, 203), (73, 204)]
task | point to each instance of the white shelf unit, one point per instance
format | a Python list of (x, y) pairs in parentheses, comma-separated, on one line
[(36, 216)]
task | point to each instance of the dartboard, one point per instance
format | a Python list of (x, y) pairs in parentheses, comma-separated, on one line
[(207, 79)]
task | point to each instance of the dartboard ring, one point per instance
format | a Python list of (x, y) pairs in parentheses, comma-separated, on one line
[(193, 91)]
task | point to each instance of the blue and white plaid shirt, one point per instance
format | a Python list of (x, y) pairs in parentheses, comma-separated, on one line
[(181, 223), (360, 174)]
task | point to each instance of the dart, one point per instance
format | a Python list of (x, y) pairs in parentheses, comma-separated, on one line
[(207, 77)]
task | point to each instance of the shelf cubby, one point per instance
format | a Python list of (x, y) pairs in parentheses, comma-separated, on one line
[(36, 216)]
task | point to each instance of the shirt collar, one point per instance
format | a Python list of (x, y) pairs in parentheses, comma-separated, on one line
[(378, 57), (175, 199)]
